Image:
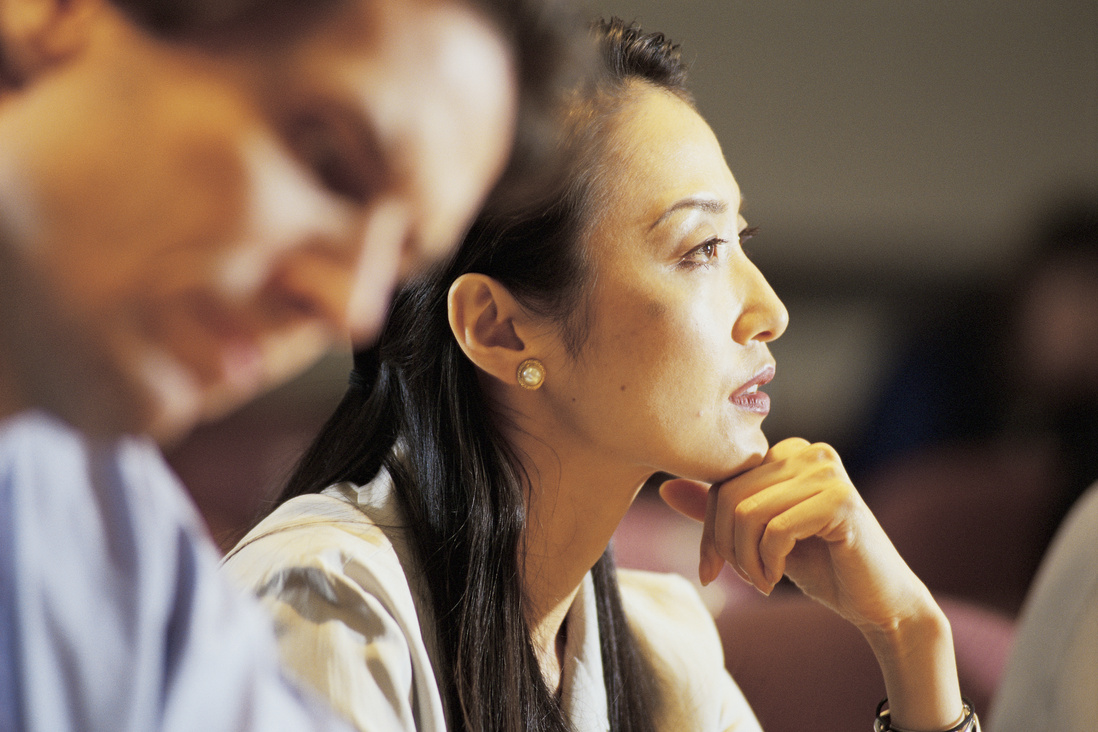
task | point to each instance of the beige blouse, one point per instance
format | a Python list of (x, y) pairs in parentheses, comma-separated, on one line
[(353, 621)]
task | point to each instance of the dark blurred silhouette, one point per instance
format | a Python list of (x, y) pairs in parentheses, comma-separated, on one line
[(987, 432)]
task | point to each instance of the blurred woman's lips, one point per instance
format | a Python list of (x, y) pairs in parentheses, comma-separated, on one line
[(242, 364), (235, 339), (749, 398)]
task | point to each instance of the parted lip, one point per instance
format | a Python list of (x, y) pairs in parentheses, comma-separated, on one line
[(764, 376), (234, 339)]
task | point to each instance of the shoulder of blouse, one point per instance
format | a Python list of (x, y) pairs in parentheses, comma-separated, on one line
[(328, 531), (677, 634), (330, 573)]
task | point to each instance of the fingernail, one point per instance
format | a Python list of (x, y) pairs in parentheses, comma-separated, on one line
[(703, 571), (716, 566)]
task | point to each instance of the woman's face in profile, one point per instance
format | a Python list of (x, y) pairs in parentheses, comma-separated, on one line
[(668, 377)]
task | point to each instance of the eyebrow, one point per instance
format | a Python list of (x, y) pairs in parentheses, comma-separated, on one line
[(708, 205)]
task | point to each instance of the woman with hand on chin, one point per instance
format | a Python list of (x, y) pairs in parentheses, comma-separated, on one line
[(439, 560)]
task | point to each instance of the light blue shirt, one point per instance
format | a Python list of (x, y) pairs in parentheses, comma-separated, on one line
[(113, 615), (9, 709)]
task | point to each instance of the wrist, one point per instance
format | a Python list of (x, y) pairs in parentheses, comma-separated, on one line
[(915, 653), (922, 622)]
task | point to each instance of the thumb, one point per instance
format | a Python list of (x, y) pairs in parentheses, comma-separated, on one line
[(688, 497)]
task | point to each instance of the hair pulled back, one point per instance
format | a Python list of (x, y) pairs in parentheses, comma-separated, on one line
[(462, 490)]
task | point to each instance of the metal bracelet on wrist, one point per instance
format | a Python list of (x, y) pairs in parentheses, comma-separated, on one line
[(969, 722)]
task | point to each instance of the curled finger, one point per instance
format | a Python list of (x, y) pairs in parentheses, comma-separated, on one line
[(818, 516)]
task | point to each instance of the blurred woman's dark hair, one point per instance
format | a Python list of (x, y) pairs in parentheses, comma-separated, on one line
[(461, 487)]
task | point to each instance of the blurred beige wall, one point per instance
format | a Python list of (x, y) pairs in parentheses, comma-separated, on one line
[(920, 123)]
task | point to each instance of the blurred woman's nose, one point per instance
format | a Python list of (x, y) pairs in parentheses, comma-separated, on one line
[(386, 246), (346, 282), (324, 257), (763, 317)]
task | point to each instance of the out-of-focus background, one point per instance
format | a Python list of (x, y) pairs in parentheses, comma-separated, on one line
[(919, 172)]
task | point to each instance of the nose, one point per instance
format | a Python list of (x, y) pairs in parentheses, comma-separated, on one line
[(763, 316), (347, 281), (315, 253), (384, 248)]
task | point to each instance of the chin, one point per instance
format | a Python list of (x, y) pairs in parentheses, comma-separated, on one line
[(174, 401), (218, 403), (175, 418), (718, 471), (746, 457)]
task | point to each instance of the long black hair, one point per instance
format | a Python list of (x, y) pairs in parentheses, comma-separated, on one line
[(462, 490)]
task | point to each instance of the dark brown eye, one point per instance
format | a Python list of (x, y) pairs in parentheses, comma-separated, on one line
[(703, 254), (747, 233)]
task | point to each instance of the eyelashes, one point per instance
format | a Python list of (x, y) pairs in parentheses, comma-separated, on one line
[(706, 253), (746, 234), (703, 254)]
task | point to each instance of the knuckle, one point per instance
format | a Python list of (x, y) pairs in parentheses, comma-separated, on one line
[(745, 511), (844, 497), (788, 449), (825, 462), (850, 494), (828, 472), (777, 527)]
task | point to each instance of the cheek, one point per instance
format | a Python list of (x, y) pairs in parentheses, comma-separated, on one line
[(155, 228), (653, 356), (139, 172), (658, 379), (674, 362)]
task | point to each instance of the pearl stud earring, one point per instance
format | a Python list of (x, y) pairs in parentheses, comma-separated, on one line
[(531, 374)]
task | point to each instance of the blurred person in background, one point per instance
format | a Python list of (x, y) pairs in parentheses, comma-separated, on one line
[(196, 200), (987, 432), (1050, 681), (985, 440)]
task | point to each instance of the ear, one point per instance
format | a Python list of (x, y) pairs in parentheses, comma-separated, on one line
[(36, 34), (488, 324)]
